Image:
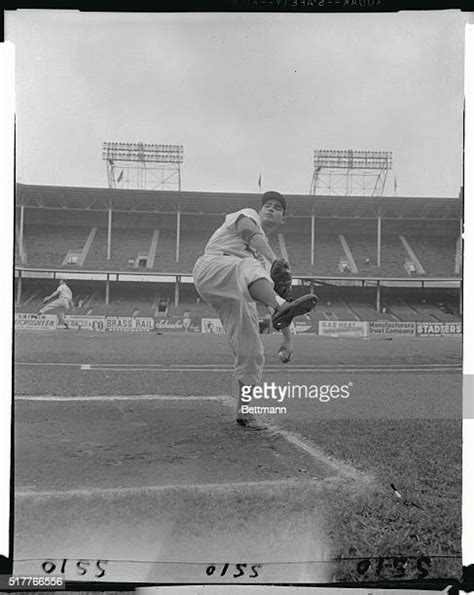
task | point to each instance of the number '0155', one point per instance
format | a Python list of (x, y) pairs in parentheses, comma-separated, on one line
[(82, 567), (234, 570)]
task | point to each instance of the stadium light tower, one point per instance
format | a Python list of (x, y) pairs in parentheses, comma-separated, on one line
[(143, 166), (350, 173)]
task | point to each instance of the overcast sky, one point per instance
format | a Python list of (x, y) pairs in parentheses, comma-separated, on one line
[(244, 93)]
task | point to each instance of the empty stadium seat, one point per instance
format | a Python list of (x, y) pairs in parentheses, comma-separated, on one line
[(47, 245), (436, 254)]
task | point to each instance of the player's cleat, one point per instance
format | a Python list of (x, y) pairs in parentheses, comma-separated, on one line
[(251, 423), (287, 311)]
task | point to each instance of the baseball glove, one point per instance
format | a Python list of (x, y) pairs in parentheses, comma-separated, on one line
[(281, 277)]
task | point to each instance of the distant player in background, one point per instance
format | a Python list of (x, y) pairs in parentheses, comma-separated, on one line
[(236, 271), (186, 321), (62, 303)]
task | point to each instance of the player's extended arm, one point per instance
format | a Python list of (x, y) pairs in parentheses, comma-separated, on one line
[(48, 297), (255, 238), (287, 343)]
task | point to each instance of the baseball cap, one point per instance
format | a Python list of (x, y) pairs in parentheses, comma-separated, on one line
[(274, 195)]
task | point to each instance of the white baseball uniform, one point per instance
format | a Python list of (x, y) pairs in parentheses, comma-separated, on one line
[(63, 301), (222, 277)]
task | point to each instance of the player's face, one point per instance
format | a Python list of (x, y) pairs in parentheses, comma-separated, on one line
[(272, 213)]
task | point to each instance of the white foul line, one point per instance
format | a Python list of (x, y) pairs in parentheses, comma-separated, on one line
[(214, 487), (226, 368), (280, 368), (62, 398), (227, 365), (343, 470)]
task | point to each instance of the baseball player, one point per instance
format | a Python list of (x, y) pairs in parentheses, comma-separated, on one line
[(238, 269), (62, 303)]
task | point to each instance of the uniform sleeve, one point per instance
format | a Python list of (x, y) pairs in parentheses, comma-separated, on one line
[(232, 219)]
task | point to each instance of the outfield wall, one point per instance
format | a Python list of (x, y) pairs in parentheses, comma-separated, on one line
[(324, 328)]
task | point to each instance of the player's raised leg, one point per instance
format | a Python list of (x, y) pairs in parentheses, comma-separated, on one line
[(283, 312), (48, 307)]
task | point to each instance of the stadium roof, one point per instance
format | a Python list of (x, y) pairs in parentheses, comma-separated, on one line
[(220, 203)]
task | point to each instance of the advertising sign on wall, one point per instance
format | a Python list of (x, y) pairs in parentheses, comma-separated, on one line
[(176, 325), (30, 321), (137, 324), (438, 329), (89, 323), (301, 326), (342, 328), (392, 328), (211, 325)]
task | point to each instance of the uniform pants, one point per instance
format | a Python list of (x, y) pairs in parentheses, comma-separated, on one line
[(223, 282), (59, 303)]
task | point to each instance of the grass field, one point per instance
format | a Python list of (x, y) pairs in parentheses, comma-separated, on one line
[(155, 469)]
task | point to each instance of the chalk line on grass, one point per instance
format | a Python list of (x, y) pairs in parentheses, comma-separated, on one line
[(215, 488), (99, 398)]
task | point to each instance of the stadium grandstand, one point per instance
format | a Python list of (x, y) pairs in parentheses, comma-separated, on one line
[(131, 252)]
